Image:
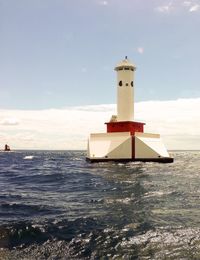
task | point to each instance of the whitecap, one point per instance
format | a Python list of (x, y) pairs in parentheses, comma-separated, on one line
[(28, 157)]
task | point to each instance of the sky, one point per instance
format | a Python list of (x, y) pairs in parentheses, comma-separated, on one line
[(57, 60)]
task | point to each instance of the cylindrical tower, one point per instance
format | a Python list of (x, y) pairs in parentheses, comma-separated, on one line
[(125, 90)]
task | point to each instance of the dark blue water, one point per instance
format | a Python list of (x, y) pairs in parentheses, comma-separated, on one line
[(55, 205)]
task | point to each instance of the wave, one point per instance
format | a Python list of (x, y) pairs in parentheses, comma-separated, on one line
[(10, 212), (58, 206), (25, 233), (29, 157), (89, 239)]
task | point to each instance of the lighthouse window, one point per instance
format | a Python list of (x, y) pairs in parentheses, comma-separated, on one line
[(127, 84), (131, 83), (126, 68), (120, 83), (120, 68)]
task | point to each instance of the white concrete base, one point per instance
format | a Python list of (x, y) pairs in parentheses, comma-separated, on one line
[(110, 146), (149, 146), (125, 147)]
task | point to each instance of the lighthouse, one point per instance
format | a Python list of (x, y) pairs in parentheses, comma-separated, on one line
[(125, 139)]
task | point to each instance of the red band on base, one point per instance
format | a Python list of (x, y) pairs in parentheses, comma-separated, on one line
[(125, 126)]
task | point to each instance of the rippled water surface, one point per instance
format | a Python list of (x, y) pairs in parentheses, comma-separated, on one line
[(55, 205)]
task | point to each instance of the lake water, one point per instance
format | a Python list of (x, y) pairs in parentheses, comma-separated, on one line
[(55, 205)]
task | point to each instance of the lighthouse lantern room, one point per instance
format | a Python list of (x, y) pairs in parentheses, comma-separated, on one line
[(125, 139)]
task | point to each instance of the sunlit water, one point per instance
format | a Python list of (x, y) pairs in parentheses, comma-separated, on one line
[(55, 205)]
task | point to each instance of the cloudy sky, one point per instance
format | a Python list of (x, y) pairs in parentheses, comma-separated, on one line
[(56, 69)]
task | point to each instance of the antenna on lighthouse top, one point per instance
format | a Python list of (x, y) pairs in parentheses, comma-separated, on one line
[(126, 57)]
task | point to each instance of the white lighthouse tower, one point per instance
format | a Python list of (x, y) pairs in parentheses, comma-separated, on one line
[(125, 90), (125, 139)]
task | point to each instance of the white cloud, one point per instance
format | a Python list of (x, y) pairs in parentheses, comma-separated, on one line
[(164, 8), (194, 8), (104, 3), (140, 50), (187, 3), (176, 6), (9, 121), (177, 121)]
